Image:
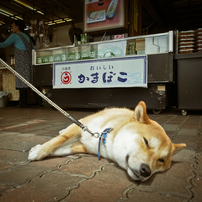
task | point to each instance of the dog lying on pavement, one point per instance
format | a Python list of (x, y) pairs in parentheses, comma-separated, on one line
[(137, 143)]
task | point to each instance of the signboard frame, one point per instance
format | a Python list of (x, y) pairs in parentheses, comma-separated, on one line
[(97, 17), (130, 71)]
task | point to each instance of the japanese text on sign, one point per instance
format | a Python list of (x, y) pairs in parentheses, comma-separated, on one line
[(118, 72)]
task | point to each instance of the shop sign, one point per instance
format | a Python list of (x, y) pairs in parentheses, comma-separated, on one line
[(108, 14), (101, 73)]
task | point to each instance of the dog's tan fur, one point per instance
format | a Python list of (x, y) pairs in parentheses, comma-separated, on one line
[(137, 143)]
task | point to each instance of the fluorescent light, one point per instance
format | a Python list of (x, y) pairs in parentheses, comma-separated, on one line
[(3, 12), (2, 23), (17, 17), (28, 6), (49, 23), (8, 14), (67, 19), (11, 15), (58, 21)]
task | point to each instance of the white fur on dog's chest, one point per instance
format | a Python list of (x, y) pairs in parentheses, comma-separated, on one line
[(91, 144), (117, 146)]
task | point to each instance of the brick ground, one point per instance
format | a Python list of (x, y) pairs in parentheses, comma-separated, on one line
[(82, 178)]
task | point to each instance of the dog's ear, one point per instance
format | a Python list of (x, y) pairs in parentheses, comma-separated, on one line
[(178, 147), (140, 113)]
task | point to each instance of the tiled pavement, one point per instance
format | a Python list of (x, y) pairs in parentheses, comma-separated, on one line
[(82, 178)]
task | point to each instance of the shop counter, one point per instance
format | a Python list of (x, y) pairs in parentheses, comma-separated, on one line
[(156, 50)]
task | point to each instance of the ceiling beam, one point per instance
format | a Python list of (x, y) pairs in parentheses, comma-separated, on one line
[(148, 6)]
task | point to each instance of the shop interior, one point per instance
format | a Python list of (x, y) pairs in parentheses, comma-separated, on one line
[(173, 77)]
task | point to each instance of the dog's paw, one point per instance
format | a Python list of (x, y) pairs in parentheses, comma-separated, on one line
[(34, 153)]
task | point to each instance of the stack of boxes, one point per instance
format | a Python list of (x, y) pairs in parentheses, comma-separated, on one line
[(187, 41), (190, 41), (199, 40)]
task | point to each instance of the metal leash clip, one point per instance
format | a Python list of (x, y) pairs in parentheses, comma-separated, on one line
[(85, 128)]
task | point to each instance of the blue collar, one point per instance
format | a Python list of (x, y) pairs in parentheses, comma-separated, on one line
[(103, 136)]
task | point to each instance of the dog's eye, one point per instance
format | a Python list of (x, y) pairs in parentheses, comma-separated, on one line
[(146, 142), (161, 160)]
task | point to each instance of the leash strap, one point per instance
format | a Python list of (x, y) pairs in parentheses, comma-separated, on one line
[(103, 137), (84, 128)]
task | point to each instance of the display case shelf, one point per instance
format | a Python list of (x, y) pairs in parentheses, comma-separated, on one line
[(139, 45)]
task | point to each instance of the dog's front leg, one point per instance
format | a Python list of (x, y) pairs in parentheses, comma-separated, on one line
[(72, 148), (41, 151)]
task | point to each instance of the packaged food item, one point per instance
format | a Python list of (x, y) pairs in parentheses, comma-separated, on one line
[(188, 33), (187, 46), (130, 49), (112, 8), (199, 50), (96, 16), (187, 38), (199, 43), (190, 41), (190, 50), (186, 41), (199, 31), (199, 40), (199, 37), (83, 38)]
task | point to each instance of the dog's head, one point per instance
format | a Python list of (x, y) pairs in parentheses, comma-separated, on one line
[(154, 148)]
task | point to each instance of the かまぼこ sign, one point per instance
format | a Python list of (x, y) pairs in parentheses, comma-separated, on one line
[(101, 73)]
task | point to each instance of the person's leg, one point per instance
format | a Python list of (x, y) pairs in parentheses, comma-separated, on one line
[(23, 98)]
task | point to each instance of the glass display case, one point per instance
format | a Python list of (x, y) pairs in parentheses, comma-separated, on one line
[(157, 49), (139, 45)]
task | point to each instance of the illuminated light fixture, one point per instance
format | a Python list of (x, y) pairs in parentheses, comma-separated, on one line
[(16, 18), (2, 23), (4, 13), (62, 20), (8, 14), (28, 6)]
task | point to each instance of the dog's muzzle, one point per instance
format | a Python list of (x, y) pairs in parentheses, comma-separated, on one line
[(142, 173), (145, 170)]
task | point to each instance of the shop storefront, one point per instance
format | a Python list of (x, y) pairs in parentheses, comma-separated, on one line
[(109, 73), (130, 65)]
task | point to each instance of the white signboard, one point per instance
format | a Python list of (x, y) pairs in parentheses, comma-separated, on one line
[(101, 73)]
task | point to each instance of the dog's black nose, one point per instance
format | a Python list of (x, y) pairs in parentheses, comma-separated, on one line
[(145, 170)]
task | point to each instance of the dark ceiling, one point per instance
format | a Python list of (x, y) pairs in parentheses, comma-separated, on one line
[(172, 14), (52, 10), (157, 15)]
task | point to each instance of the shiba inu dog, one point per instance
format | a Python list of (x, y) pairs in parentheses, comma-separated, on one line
[(137, 143)]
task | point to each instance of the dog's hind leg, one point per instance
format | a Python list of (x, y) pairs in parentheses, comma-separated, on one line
[(70, 134)]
